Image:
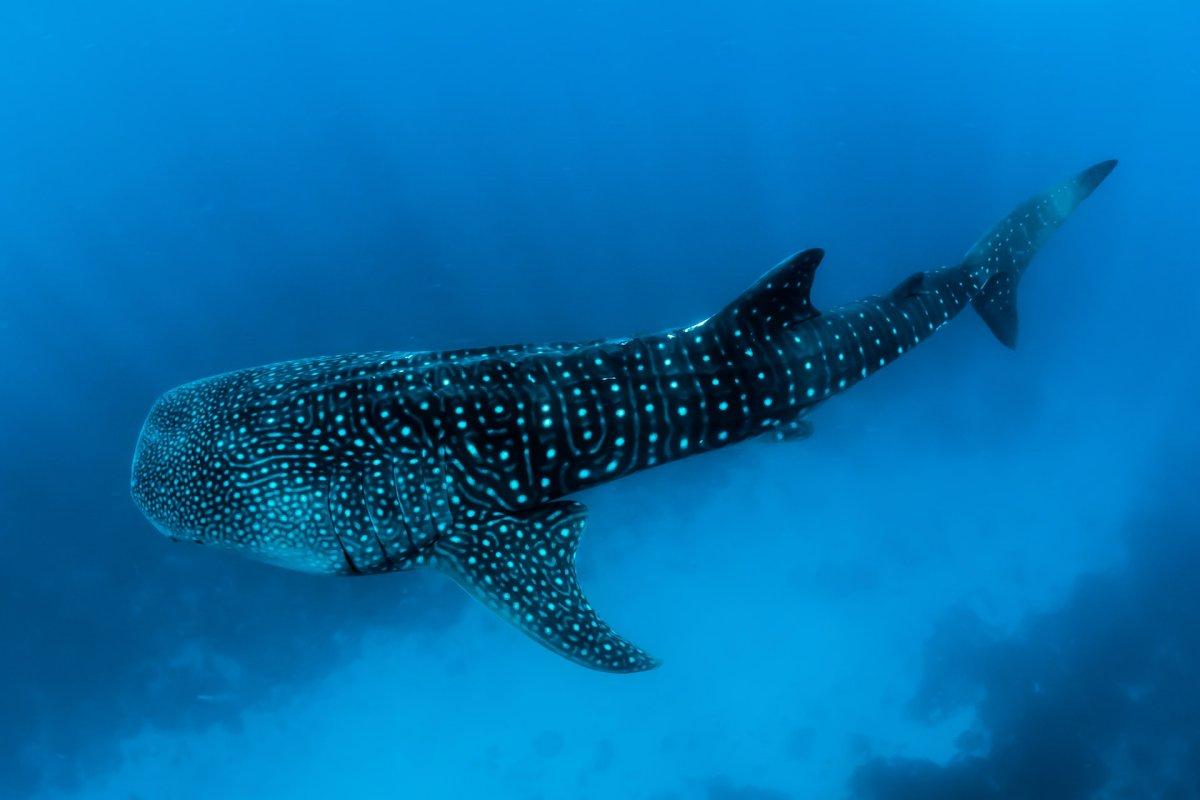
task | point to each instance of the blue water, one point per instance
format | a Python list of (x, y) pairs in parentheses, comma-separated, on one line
[(978, 579)]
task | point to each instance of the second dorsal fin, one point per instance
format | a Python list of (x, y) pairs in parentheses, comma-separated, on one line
[(779, 297)]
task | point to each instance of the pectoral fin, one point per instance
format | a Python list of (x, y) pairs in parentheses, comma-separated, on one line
[(793, 430), (523, 567)]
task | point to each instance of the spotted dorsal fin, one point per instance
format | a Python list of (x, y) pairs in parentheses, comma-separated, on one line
[(523, 568), (908, 287), (778, 298)]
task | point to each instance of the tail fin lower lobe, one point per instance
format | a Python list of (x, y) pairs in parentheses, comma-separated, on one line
[(998, 260)]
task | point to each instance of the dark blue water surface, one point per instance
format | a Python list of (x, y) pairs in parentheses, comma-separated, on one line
[(980, 578)]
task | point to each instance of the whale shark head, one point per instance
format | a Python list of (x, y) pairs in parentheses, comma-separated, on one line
[(174, 470), (219, 463)]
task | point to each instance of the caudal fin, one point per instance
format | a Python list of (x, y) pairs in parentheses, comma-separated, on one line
[(998, 260)]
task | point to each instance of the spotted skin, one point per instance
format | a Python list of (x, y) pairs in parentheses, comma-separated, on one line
[(382, 462)]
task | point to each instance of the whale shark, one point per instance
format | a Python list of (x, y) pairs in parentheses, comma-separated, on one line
[(464, 460)]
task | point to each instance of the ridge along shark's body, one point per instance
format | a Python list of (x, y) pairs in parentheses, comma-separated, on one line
[(387, 461)]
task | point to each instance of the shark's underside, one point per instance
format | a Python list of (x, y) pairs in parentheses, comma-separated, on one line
[(387, 461)]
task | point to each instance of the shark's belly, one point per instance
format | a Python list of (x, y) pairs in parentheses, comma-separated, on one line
[(368, 513), (387, 512)]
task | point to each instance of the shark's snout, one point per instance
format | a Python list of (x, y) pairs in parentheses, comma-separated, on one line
[(158, 476), (137, 481)]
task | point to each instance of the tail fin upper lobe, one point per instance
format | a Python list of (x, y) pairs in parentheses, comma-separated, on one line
[(997, 260)]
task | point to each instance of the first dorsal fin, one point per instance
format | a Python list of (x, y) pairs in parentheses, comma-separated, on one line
[(779, 297), (523, 568)]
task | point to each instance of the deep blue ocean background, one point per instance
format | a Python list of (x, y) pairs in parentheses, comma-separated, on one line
[(980, 578)]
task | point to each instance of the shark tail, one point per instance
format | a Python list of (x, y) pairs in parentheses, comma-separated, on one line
[(998, 260)]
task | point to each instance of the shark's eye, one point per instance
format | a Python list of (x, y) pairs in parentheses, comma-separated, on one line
[(172, 419), (169, 414)]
